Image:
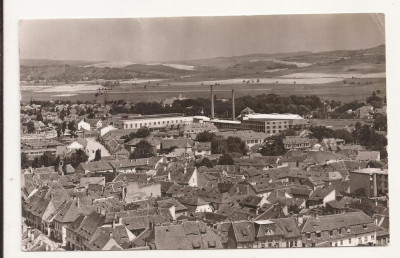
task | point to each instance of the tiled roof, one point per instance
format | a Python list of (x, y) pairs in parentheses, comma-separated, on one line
[(329, 222)]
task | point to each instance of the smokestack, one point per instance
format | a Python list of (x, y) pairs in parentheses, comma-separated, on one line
[(233, 105), (212, 102)]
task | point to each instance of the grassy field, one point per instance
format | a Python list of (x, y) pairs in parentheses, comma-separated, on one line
[(337, 91), (282, 74)]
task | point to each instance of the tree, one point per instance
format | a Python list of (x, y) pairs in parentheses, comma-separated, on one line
[(205, 136), (356, 132), (59, 133), (31, 127), (365, 135), (47, 159), (235, 144), (343, 134), (97, 155), (63, 126), (24, 160), (274, 146), (143, 132), (380, 122), (62, 114), (71, 126), (36, 163), (321, 132), (64, 166), (225, 159), (56, 163), (205, 162), (39, 116), (91, 115), (78, 157), (143, 150)]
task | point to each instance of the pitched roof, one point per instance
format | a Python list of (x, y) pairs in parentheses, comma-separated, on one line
[(94, 166), (288, 226), (244, 231), (368, 155), (188, 235), (329, 222), (320, 193)]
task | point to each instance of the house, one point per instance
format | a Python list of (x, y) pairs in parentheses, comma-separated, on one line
[(107, 129), (202, 149), (82, 125), (78, 143), (67, 213), (346, 229), (179, 208), (81, 230), (195, 204), (154, 142), (250, 137), (365, 112), (186, 236), (191, 130), (36, 210), (96, 168), (320, 197), (368, 156), (297, 142), (184, 143), (369, 182), (136, 192)]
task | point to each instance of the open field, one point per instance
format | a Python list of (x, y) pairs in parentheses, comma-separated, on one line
[(340, 75), (137, 93)]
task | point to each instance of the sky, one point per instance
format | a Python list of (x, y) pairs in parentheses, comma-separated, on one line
[(189, 38)]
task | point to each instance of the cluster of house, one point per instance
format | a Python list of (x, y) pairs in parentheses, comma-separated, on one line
[(312, 196), (368, 111), (317, 194)]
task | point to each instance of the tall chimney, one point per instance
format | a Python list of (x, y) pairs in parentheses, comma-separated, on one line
[(233, 105), (212, 102)]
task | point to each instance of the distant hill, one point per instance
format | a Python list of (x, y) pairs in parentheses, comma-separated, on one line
[(47, 62), (370, 60)]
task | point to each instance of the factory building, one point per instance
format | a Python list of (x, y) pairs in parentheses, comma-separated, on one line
[(172, 120)]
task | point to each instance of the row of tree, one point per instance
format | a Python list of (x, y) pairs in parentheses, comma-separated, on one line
[(220, 145)]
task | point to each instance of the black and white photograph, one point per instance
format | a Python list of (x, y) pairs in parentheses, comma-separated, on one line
[(204, 133), (255, 131)]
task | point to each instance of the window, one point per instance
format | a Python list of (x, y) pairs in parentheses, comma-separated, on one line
[(366, 239), (372, 237), (359, 240), (340, 231), (349, 240), (308, 235), (318, 234), (331, 233), (341, 242)]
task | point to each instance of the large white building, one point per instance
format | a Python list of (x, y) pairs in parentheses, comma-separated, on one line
[(157, 121)]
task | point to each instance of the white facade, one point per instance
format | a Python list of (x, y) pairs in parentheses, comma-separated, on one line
[(107, 129), (363, 239), (92, 146), (83, 125), (157, 122)]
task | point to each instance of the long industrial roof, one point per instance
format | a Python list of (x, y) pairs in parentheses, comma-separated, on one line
[(272, 116)]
